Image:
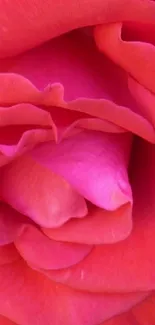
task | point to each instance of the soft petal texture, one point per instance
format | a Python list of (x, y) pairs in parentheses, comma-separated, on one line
[(8, 254), (142, 314), (40, 194), (134, 56), (42, 252), (94, 163), (98, 227), (27, 23), (128, 265), (56, 63), (6, 321), (41, 300)]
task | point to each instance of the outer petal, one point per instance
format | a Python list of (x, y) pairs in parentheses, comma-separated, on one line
[(25, 24), (142, 314), (40, 194), (117, 267), (93, 163), (134, 56), (27, 298)]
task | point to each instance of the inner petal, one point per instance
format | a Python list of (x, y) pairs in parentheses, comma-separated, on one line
[(94, 163), (39, 193)]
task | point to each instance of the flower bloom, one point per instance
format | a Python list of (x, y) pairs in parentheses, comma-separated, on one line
[(77, 157)]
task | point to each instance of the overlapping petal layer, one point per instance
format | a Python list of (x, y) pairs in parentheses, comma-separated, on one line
[(25, 24), (117, 267), (41, 300)]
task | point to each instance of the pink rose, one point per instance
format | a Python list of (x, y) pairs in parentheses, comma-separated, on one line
[(77, 158)]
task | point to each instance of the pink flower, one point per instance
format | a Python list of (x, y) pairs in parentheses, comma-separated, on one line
[(77, 157)]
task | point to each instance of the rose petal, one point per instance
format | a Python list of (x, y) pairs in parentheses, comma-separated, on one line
[(119, 115), (30, 23), (40, 194), (17, 89), (11, 224), (102, 87), (130, 55), (27, 297), (99, 227), (32, 244), (143, 313), (93, 163), (6, 321), (72, 54), (26, 142), (8, 254), (145, 98), (117, 267)]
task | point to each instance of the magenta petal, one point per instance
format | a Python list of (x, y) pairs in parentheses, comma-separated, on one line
[(92, 162), (40, 194), (42, 252)]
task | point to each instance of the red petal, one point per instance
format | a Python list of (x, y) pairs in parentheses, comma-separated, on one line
[(130, 55), (8, 254), (27, 298), (32, 244), (30, 23), (6, 321), (11, 224), (141, 314), (98, 227)]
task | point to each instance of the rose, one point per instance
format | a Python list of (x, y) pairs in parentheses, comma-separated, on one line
[(77, 163)]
